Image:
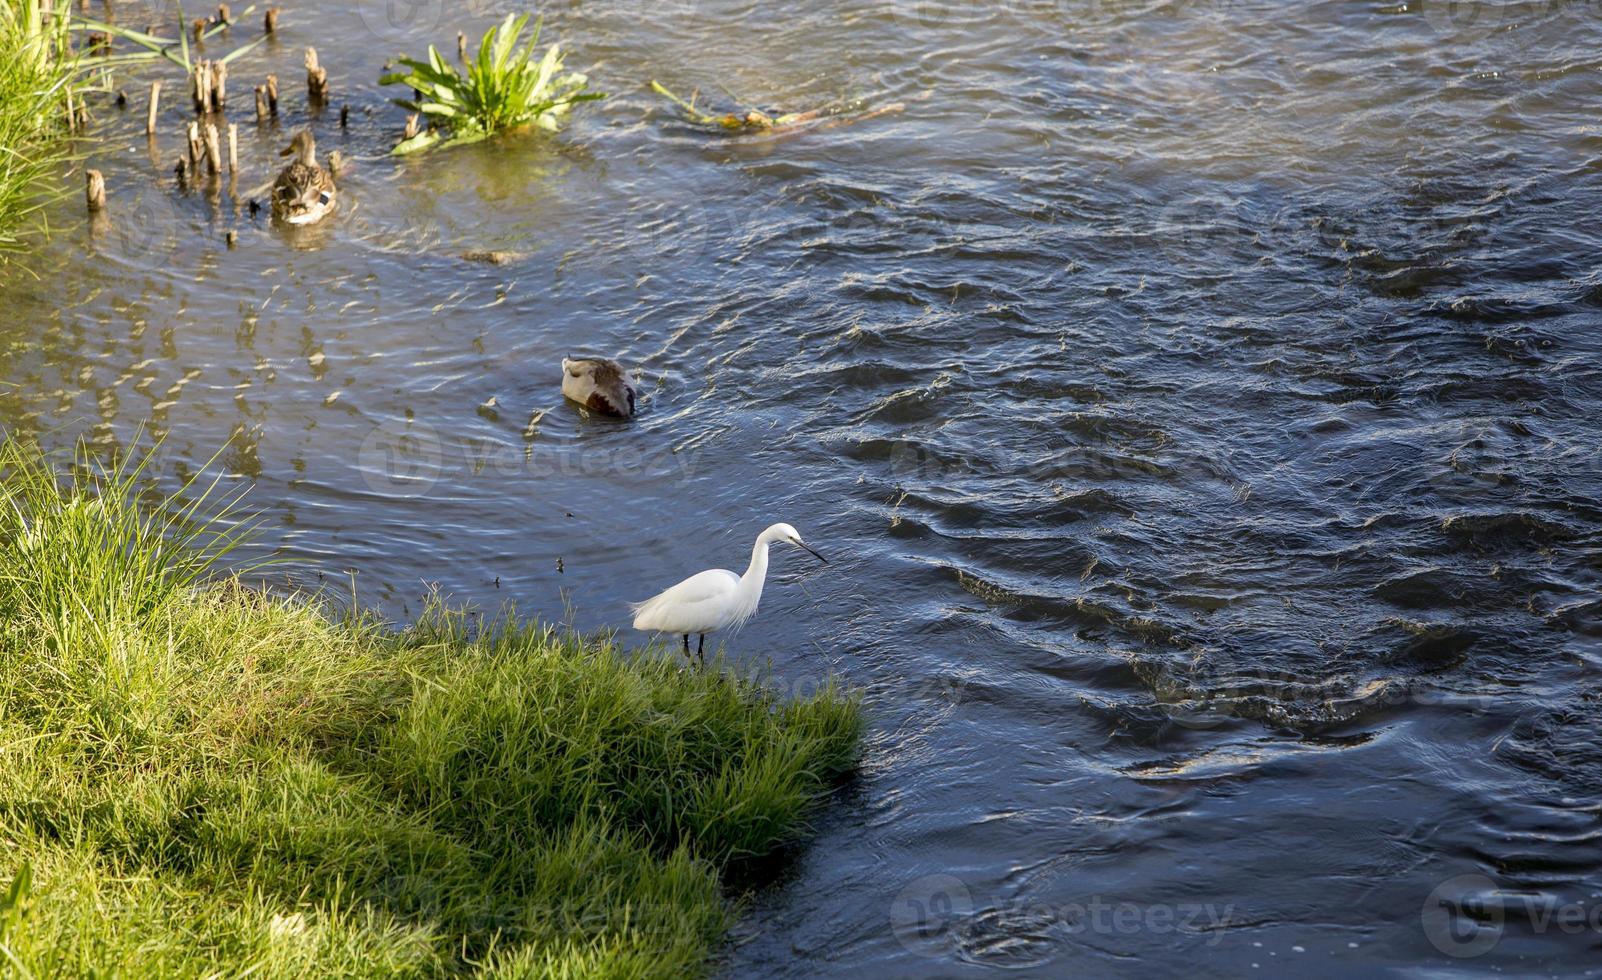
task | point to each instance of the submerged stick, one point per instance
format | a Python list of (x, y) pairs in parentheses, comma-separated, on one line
[(155, 104), (95, 192), (233, 148)]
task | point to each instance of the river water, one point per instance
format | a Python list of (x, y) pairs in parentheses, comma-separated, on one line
[(1198, 400)]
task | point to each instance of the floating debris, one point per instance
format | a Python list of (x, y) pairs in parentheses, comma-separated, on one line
[(494, 256), (755, 120)]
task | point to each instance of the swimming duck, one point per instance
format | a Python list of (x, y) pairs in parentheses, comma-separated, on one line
[(304, 192), (600, 385)]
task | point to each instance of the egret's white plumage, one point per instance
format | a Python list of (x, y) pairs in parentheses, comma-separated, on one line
[(716, 599)]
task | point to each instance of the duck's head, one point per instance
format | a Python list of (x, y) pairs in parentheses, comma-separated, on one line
[(600, 385), (303, 148)]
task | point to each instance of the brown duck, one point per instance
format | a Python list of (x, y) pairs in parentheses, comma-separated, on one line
[(600, 385), (303, 192)]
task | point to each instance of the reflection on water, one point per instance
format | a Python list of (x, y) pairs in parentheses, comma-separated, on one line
[(1201, 395)]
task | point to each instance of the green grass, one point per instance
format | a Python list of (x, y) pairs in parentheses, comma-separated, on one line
[(37, 71), (504, 88), (201, 779)]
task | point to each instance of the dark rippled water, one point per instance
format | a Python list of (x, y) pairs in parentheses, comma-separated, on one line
[(1200, 401)]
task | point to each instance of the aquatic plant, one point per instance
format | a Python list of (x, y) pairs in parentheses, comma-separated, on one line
[(503, 88), (206, 778), (746, 120)]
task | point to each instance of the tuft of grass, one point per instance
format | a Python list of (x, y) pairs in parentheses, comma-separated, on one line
[(207, 779), (37, 72), (503, 88)]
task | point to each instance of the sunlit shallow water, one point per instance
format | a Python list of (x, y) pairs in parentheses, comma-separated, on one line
[(1197, 400)]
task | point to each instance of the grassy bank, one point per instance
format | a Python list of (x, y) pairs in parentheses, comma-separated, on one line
[(36, 72), (200, 779)]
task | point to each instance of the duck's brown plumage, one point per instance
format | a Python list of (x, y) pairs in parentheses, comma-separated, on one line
[(600, 385), (303, 192)]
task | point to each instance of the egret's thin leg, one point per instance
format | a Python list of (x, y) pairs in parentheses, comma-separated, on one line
[(700, 648), (686, 644)]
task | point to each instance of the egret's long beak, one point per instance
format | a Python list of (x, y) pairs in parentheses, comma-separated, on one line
[(812, 553)]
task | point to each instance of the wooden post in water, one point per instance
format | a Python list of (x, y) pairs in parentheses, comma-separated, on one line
[(233, 148), (269, 22), (316, 79), (213, 150), (155, 104), (411, 126), (261, 104), (272, 94), (195, 148), (95, 192), (224, 15), (461, 46), (219, 86), (344, 116), (200, 85)]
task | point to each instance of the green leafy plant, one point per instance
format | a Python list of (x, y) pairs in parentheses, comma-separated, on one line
[(504, 88)]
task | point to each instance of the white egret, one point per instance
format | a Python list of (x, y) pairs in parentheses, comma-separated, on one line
[(715, 599)]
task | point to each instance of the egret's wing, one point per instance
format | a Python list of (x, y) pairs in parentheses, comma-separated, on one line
[(689, 606)]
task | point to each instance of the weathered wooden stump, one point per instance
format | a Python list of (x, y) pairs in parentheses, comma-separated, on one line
[(95, 191), (316, 79)]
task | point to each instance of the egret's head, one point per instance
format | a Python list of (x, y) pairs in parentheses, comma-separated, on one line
[(787, 533)]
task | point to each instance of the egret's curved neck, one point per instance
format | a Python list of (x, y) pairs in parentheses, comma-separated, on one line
[(757, 571)]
